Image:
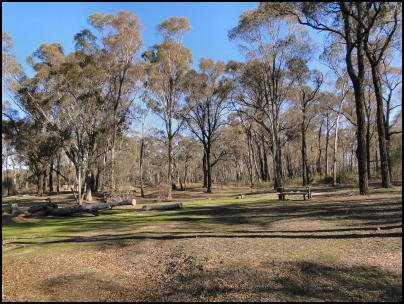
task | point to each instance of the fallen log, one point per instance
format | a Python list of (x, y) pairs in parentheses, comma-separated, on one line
[(88, 208), (53, 209), (162, 207), (41, 207)]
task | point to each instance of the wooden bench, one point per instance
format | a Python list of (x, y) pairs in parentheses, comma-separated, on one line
[(283, 191)]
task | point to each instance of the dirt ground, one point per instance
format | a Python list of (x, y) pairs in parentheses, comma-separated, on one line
[(338, 246)]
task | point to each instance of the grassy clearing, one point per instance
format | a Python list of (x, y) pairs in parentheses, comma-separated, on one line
[(338, 246)]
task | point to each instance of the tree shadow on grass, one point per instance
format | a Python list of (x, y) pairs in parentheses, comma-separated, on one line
[(291, 281), (264, 212), (361, 283), (197, 234)]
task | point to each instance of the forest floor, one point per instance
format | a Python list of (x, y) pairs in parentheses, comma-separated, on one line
[(338, 246)]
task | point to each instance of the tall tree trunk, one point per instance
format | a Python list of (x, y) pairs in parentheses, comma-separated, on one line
[(44, 181), (89, 186), (113, 184), (376, 162), (8, 183), (289, 164), (264, 159), (92, 183), (26, 180), (209, 170), (280, 159), (261, 160), (368, 142), (384, 166), (357, 79), (79, 184), (327, 138), (388, 146), (141, 167), (51, 177), (334, 167), (15, 183), (97, 181), (256, 165), (40, 177), (58, 174), (104, 169), (205, 170), (250, 161), (169, 196), (388, 137), (277, 159), (361, 152), (185, 175), (8, 174), (305, 163), (305, 168), (319, 170)]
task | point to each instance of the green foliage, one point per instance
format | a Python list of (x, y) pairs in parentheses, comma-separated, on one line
[(85, 40)]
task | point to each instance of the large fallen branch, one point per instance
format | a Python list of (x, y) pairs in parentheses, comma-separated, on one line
[(50, 208), (162, 207)]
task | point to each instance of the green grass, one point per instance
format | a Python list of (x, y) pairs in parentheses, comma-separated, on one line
[(118, 220)]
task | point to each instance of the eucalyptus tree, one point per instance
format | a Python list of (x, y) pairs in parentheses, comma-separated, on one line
[(248, 125), (371, 117), (78, 91), (207, 98), (144, 111), (343, 90), (72, 104), (306, 96), (332, 57), (166, 67), (35, 142), (274, 44), (121, 41)]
